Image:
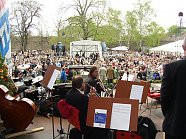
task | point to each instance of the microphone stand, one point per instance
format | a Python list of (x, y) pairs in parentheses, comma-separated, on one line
[(52, 111)]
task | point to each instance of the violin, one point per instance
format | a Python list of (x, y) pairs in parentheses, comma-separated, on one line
[(16, 113)]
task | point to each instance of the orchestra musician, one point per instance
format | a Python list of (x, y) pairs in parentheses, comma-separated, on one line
[(77, 99), (93, 81)]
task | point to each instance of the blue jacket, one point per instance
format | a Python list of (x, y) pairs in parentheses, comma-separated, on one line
[(63, 76)]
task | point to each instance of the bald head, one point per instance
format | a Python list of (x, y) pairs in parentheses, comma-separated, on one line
[(77, 81)]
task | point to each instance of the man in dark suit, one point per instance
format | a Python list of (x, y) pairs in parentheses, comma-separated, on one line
[(173, 95), (76, 98)]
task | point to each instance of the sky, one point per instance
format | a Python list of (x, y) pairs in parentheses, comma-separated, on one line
[(166, 11)]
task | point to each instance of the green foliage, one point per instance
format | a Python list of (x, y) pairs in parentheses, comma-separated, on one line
[(155, 33), (155, 81), (113, 17), (87, 11), (144, 14), (173, 30), (130, 28), (5, 79), (109, 34)]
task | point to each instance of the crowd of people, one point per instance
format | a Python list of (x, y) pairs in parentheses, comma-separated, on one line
[(146, 66)]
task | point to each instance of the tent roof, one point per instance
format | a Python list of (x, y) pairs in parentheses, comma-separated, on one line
[(170, 47), (86, 42), (87, 46), (120, 48)]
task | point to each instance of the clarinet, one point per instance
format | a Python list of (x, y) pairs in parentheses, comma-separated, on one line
[(101, 85), (98, 95)]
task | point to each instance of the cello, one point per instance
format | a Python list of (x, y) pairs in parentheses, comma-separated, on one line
[(16, 113)]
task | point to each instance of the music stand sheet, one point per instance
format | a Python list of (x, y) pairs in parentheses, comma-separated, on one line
[(53, 78), (50, 76), (132, 90), (130, 77), (120, 118), (114, 106)]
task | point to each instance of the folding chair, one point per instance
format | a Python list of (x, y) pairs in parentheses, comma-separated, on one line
[(64, 113), (70, 113)]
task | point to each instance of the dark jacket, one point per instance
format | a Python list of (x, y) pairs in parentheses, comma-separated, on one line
[(173, 95), (75, 98), (80, 101), (92, 81)]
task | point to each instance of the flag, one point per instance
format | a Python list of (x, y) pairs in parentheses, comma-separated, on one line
[(5, 44)]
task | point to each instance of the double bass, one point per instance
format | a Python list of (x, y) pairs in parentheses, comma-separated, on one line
[(16, 113)]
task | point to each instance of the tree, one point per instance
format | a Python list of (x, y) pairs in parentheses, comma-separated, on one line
[(144, 14), (130, 28), (114, 18), (22, 19), (59, 22), (173, 31), (115, 23), (108, 34), (155, 34), (89, 16)]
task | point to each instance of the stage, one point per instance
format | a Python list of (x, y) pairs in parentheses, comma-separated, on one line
[(47, 133)]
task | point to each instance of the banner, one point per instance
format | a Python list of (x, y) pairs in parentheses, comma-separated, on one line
[(5, 43)]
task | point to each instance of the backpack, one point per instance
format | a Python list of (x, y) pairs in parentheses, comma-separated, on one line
[(146, 128)]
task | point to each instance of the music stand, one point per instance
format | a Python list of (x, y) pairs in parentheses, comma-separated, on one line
[(138, 89), (48, 81), (107, 117)]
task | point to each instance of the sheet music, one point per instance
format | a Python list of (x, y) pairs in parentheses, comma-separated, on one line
[(120, 118), (130, 77), (53, 78), (136, 92), (100, 117)]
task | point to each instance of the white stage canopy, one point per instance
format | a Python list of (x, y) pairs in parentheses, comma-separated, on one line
[(85, 46), (173, 47), (120, 48)]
